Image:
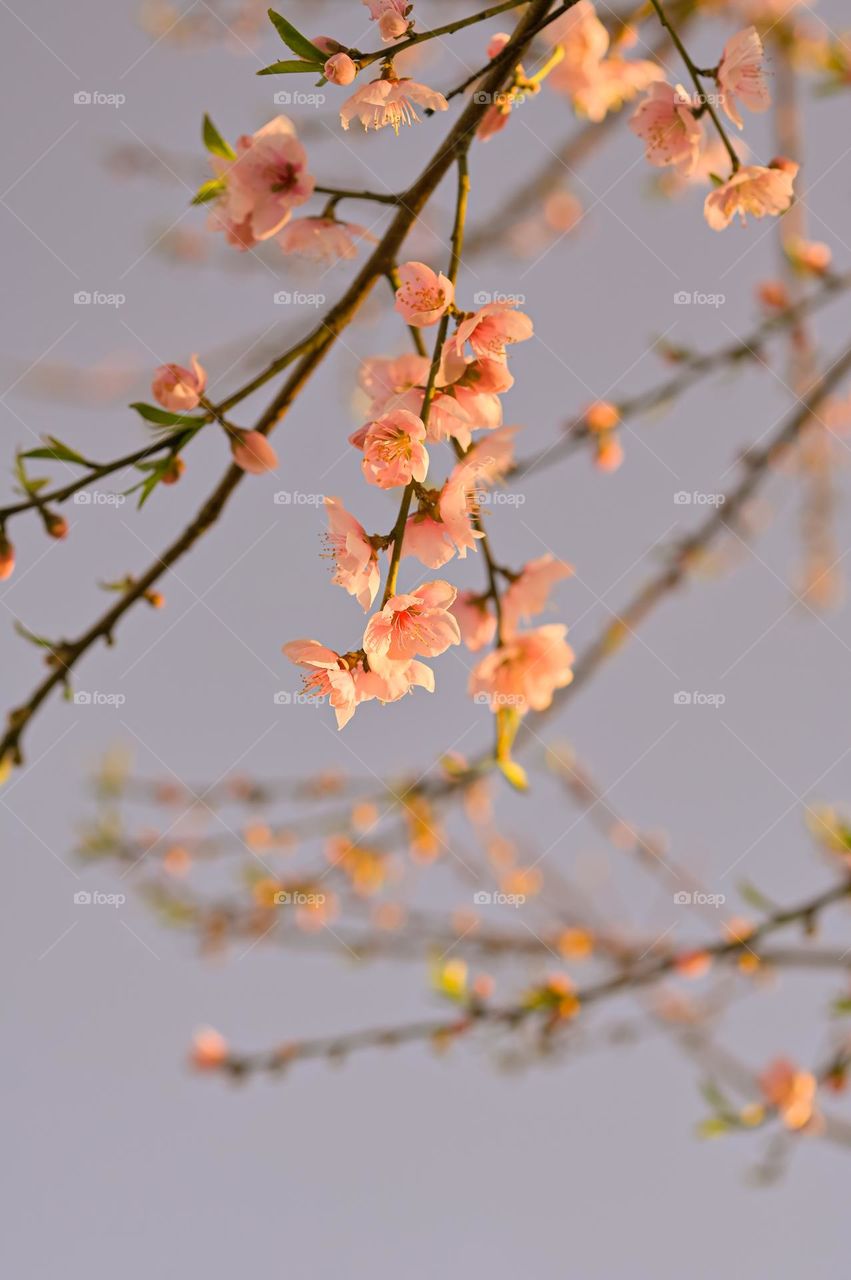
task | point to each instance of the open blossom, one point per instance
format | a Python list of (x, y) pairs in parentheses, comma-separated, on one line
[(753, 190), (415, 624), (529, 592), (525, 671), (323, 239), (491, 329), (740, 75), (339, 69), (263, 185), (253, 453), (178, 389), (666, 124), (355, 558), (423, 295), (594, 83), (474, 617), (428, 540), (388, 681), (329, 675), (394, 451), (391, 16), (390, 102), (386, 381), (791, 1091)]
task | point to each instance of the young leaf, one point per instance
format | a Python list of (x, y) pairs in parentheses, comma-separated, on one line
[(208, 191), (294, 40), (163, 418), (215, 143), (289, 68), (58, 451)]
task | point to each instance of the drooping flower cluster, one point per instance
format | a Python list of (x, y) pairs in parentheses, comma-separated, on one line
[(595, 83), (414, 405)]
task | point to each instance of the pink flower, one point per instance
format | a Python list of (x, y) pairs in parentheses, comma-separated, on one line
[(355, 558), (209, 1049), (393, 102), (529, 592), (263, 185), (386, 382), (253, 453), (595, 84), (408, 625), (428, 540), (423, 296), (178, 389), (582, 36), (330, 675), (323, 239), (666, 124), (740, 75), (490, 329), (612, 83), (340, 69), (389, 681), (474, 617), (497, 43), (391, 16), (526, 671), (394, 449), (754, 190)]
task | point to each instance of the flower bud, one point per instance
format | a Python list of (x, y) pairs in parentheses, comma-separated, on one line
[(55, 525), (7, 557), (173, 472), (601, 416), (155, 599), (609, 455), (253, 453), (340, 69)]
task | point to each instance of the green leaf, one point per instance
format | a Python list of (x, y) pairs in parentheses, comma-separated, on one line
[(163, 418), (754, 897), (208, 191), (294, 40), (59, 451), (288, 68), (215, 143), (26, 634)]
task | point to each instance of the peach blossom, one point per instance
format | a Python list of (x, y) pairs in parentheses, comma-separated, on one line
[(602, 415), (423, 295), (209, 1049), (497, 43), (482, 375), (355, 558), (525, 672), (582, 36), (740, 75), (323, 239), (386, 381), (340, 69), (595, 84), (608, 452), (791, 1091), (330, 675), (391, 16), (811, 257), (490, 329), (529, 592), (263, 185), (666, 124), (752, 190), (253, 453), (388, 681), (611, 84), (179, 389), (394, 451), (414, 624), (475, 619), (390, 102), (427, 539)]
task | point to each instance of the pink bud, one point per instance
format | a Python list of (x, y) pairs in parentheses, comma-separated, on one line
[(340, 69), (7, 558), (179, 389), (327, 44), (253, 453), (497, 43), (56, 525), (209, 1049)]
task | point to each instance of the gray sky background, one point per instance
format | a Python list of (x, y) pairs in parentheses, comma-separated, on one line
[(399, 1164)]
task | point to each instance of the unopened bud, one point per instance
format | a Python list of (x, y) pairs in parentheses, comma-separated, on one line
[(174, 470), (55, 525), (601, 416), (7, 558), (155, 599)]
